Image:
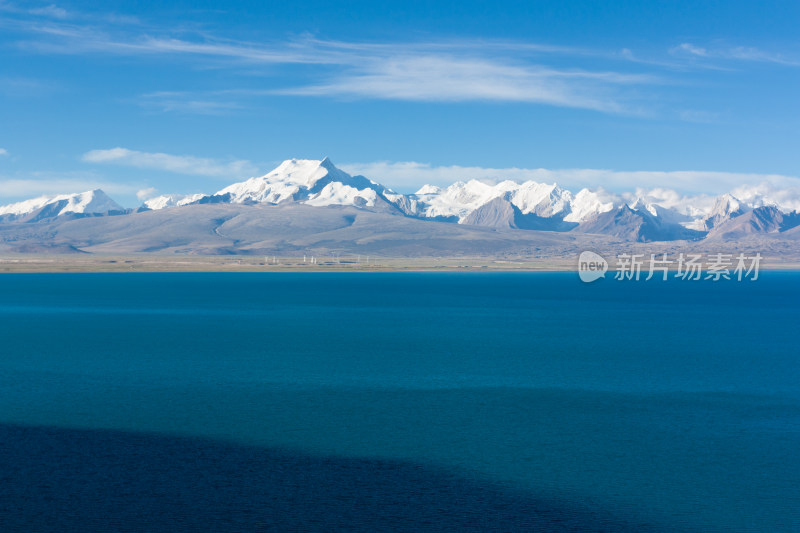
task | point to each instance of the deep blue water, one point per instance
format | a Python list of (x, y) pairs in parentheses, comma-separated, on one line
[(398, 400)]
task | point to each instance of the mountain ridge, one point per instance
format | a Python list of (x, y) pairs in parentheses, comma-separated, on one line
[(505, 204)]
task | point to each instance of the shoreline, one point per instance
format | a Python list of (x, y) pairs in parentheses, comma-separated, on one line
[(106, 264)]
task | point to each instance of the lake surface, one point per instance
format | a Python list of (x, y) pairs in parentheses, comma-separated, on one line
[(398, 400)]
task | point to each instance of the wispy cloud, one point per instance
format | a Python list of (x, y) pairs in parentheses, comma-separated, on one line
[(181, 164), (3, 152), (50, 11), (146, 194), (741, 53), (409, 176), (688, 48), (188, 103), (454, 70), (749, 53), (448, 78), (439, 71)]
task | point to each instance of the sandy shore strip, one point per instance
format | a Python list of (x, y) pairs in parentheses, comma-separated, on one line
[(232, 263)]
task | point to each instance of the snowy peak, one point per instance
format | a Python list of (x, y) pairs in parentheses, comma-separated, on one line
[(588, 203), (280, 185), (666, 214), (304, 172), (459, 199), (727, 204), (545, 200), (89, 202), (171, 200), (641, 205), (309, 181), (542, 199), (428, 189), (95, 201), (725, 208)]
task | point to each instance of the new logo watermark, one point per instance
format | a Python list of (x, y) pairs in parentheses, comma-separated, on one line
[(686, 267), (591, 266)]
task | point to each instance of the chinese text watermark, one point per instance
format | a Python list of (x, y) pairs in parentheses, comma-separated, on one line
[(687, 267)]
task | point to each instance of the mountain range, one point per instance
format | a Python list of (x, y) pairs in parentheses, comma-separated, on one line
[(505, 205)]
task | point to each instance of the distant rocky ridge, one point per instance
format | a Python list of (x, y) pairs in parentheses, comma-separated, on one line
[(503, 213), (759, 220), (506, 205)]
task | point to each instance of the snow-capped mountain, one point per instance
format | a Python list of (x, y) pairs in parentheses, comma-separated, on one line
[(89, 202), (665, 214), (317, 183), (459, 199), (321, 183), (656, 214), (588, 203), (725, 208), (312, 182), (172, 200), (542, 199)]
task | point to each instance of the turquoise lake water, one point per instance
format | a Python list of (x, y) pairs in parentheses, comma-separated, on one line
[(505, 400)]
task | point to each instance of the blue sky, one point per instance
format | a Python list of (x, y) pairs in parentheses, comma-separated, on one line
[(170, 97)]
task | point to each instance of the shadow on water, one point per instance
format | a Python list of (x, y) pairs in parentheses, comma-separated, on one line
[(54, 479)]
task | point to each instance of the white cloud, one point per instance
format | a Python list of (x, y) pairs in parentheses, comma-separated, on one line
[(3, 152), (766, 193), (409, 176), (50, 11), (748, 53), (442, 71), (233, 50), (182, 164), (741, 53), (447, 78), (184, 102), (688, 48), (455, 70), (146, 194), (688, 204)]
